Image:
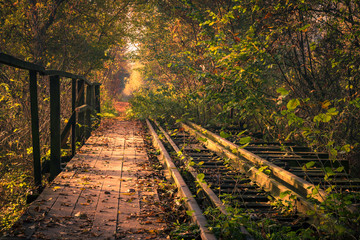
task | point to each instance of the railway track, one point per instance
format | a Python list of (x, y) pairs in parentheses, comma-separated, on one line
[(252, 177), (304, 168), (221, 182)]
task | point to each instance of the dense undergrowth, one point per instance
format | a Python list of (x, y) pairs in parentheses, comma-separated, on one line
[(286, 70), (83, 38)]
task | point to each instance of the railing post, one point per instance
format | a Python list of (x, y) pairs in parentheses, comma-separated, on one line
[(35, 127), (55, 138), (73, 125), (81, 115), (97, 100), (88, 111)]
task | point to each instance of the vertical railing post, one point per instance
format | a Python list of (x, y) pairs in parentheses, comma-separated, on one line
[(73, 124), (35, 127), (81, 116), (55, 137), (88, 111), (97, 100)]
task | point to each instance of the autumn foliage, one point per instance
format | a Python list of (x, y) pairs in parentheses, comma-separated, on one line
[(82, 37), (285, 69)]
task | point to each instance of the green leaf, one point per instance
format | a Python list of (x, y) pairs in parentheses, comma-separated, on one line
[(304, 28), (202, 139), (315, 190), (327, 118), (309, 165), (329, 189), (224, 134), (282, 91), (293, 103), (346, 148), (241, 133), (263, 168), (339, 169), (190, 212), (243, 146), (245, 140), (284, 194), (332, 112), (328, 173), (201, 177), (322, 118)]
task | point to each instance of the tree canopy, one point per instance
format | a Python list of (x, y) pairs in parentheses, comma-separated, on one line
[(287, 69)]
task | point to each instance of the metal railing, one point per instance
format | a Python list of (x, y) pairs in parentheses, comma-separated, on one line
[(85, 103)]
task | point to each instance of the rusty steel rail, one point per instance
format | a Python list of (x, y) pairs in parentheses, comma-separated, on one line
[(184, 190), (287, 166), (210, 193), (239, 185), (293, 182), (270, 185)]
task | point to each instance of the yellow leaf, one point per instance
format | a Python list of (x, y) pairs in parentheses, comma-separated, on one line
[(129, 194), (325, 104)]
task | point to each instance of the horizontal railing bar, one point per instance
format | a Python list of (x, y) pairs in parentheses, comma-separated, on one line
[(67, 75), (84, 108), (58, 138), (66, 132), (15, 62), (18, 63)]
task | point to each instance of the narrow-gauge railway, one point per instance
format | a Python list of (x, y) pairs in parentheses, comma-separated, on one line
[(223, 183), (316, 168)]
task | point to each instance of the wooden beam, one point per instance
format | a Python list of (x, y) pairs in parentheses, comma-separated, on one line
[(263, 180), (15, 62), (292, 181), (89, 96), (81, 115), (73, 124), (35, 127), (66, 132), (55, 137)]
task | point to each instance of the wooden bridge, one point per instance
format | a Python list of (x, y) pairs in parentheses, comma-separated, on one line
[(105, 191)]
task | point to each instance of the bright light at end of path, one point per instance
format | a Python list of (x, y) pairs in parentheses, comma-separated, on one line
[(132, 47)]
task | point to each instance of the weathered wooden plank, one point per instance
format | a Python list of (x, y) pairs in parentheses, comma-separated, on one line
[(67, 75), (104, 223), (15, 62), (73, 125), (66, 131), (38, 210), (61, 213), (35, 127), (55, 138), (99, 195)]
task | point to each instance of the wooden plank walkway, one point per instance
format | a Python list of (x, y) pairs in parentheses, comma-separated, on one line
[(103, 193)]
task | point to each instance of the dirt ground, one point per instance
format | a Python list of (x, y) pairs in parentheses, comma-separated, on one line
[(121, 108)]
